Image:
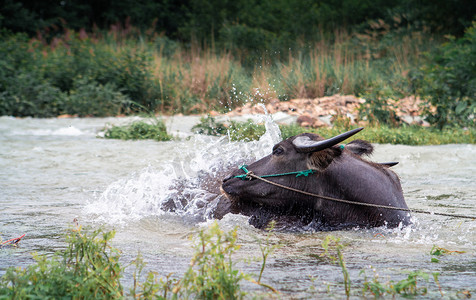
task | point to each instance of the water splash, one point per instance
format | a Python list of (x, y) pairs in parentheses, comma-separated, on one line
[(187, 185)]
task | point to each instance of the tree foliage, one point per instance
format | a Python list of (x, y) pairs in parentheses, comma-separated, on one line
[(449, 82), (205, 19)]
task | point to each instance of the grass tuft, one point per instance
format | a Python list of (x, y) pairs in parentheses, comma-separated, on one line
[(139, 130)]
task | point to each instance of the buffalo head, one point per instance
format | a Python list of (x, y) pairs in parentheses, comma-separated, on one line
[(337, 171)]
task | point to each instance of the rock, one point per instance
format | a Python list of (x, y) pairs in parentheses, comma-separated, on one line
[(65, 116), (318, 123), (309, 111), (306, 118)]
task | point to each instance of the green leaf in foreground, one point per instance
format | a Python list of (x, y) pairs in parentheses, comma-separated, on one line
[(88, 269)]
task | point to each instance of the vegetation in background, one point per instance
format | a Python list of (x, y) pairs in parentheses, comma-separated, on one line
[(407, 135), (250, 25), (122, 71), (449, 82), (251, 131), (79, 59), (101, 74), (139, 130), (209, 126)]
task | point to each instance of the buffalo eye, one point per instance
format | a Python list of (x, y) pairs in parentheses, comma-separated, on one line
[(278, 151)]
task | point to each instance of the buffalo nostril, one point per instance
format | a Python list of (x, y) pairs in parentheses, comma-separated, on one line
[(228, 178)]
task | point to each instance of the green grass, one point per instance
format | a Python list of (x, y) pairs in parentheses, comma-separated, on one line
[(250, 131), (105, 73), (383, 134), (407, 135), (108, 74), (139, 130)]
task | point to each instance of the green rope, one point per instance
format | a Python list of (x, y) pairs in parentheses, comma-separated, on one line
[(298, 173)]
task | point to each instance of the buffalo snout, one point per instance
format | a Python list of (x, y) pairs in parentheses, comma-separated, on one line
[(227, 178)]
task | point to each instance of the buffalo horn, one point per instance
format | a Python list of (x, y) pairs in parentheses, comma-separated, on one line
[(305, 144), (389, 164)]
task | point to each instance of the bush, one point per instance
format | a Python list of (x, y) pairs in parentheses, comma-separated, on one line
[(377, 108), (449, 82), (88, 269), (139, 131), (248, 42), (23, 90), (211, 274), (129, 71), (89, 98), (246, 131), (166, 46), (209, 126), (28, 95), (237, 131)]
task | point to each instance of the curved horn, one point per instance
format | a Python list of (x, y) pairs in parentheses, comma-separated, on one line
[(305, 144), (389, 164)]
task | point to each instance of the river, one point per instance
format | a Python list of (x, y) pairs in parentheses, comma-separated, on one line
[(56, 170)]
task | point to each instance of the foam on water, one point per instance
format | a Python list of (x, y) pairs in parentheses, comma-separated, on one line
[(187, 185)]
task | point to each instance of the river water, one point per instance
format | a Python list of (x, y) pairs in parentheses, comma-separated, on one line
[(56, 170)]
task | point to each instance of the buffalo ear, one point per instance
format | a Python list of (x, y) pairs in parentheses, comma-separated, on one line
[(360, 147), (320, 160)]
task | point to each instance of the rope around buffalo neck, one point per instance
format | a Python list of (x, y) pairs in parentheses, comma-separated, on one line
[(298, 173), (249, 175)]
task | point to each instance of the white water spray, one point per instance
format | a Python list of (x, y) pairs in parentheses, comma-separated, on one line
[(187, 185)]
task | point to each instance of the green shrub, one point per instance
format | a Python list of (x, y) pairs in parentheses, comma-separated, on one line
[(87, 269), (139, 131), (382, 134), (129, 70), (23, 90), (408, 287), (209, 126), (449, 82), (245, 131), (405, 135), (26, 94), (166, 46), (211, 274), (248, 42), (377, 109), (237, 131), (89, 98)]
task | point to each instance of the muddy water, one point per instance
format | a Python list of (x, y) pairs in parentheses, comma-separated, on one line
[(56, 170)]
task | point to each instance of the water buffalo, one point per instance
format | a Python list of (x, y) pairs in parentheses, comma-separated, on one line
[(338, 171)]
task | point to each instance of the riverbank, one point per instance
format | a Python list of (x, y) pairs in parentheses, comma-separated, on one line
[(249, 127)]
